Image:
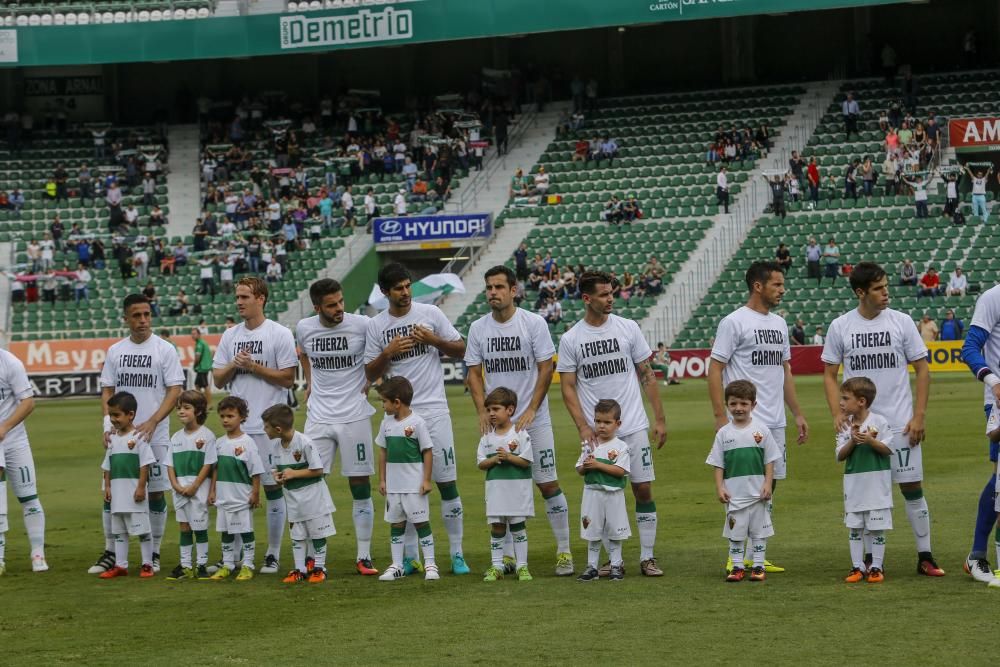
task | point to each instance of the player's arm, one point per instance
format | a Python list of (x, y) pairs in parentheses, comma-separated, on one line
[(972, 355), (567, 384), (203, 474), (305, 473), (792, 401), (915, 427), (766, 488), (281, 377), (831, 387), (845, 450), (107, 484), (224, 375), (174, 484), (381, 470), (255, 492), (378, 366), (425, 484), (148, 427), (546, 369), (647, 378), (721, 492), (24, 408), (306, 373), (106, 394), (715, 370), (607, 468), (140, 487), (477, 390)]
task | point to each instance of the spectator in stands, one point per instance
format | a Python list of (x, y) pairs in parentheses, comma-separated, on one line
[(410, 172), (50, 282), (831, 260), (919, 195), (581, 152), (722, 189), (56, 230), (792, 186), (796, 165), (149, 291), (541, 182), (226, 265), (850, 179), (797, 335), (890, 173), (274, 271), (813, 253), (571, 290), (777, 186), (929, 284), (907, 274), (157, 218), (80, 283), (419, 193), (16, 200), (762, 137), (141, 261), (148, 190), (131, 215), (50, 188), (34, 251), (612, 213), (181, 304), (442, 191), (979, 181), (609, 150), (627, 285), (631, 210), (399, 205), (952, 328), (521, 262), (114, 201), (48, 251), (347, 204), (61, 178), (928, 328), (552, 310), (851, 111), (813, 179), (206, 273), (867, 171), (518, 184), (784, 257), (651, 283), (16, 291), (817, 338), (958, 283)]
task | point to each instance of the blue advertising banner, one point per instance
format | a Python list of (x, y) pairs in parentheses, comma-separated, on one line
[(431, 228)]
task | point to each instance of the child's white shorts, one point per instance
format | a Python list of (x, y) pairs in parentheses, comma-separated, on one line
[(131, 523), (412, 507), (753, 521), (871, 519), (603, 515), (193, 513), (505, 519), (313, 529), (234, 523)]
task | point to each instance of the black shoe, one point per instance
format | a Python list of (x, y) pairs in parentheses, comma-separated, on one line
[(617, 573), (177, 574), (590, 574), (104, 562), (203, 572), (156, 562)]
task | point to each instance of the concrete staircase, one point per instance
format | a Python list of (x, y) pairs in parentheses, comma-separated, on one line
[(704, 266), (337, 268), (184, 179)]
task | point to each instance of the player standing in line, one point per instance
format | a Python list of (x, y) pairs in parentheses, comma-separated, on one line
[(511, 347), (257, 359), (605, 356), (17, 400), (202, 365), (981, 352), (331, 350), (751, 343), (147, 367), (877, 342), (406, 340)]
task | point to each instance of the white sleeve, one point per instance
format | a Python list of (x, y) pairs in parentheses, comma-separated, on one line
[(913, 344), (624, 460), (716, 458), (843, 438), (108, 372), (170, 366), (443, 327), (525, 452), (254, 463), (106, 463), (284, 352), (771, 450), (567, 354), (223, 353), (380, 436), (640, 347), (312, 456), (725, 340), (211, 451), (20, 385), (174, 441), (833, 348), (481, 451), (541, 340), (472, 346), (786, 354), (146, 457), (987, 313), (373, 344), (423, 435)]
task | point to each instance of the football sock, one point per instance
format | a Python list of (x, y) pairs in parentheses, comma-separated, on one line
[(866, 540), (157, 520), (426, 543), (996, 542), (645, 520), (508, 544), (34, 525), (121, 550), (986, 518), (615, 552), (109, 538), (299, 554), (736, 550), (237, 547), (363, 514), (857, 548), (878, 548), (3, 546), (250, 544), (920, 520), (396, 545), (759, 548), (451, 513), (187, 540), (594, 553), (319, 552), (228, 551), (146, 548), (557, 510), (201, 546), (520, 535), (275, 522), (497, 548), (410, 547)]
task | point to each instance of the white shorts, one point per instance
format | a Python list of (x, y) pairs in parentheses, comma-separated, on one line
[(781, 465), (130, 523), (505, 519), (603, 515), (753, 521), (19, 469), (543, 447), (159, 480), (193, 513), (266, 458), (412, 507), (353, 440), (640, 457), (907, 462), (871, 519), (313, 529), (234, 523), (444, 469)]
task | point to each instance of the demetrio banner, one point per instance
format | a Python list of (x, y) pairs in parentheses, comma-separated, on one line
[(371, 23), (433, 229)]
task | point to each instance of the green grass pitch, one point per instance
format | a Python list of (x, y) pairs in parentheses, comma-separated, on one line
[(806, 615)]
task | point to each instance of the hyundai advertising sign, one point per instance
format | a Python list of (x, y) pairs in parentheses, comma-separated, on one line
[(434, 230)]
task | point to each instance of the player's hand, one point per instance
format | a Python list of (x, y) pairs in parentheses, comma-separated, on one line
[(107, 495), (424, 335), (425, 487), (526, 419), (211, 497), (840, 423), (279, 476), (502, 455), (243, 360), (107, 439), (915, 429), (485, 426), (189, 491), (254, 498), (146, 429), (139, 495), (723, 493), (720, 422), (589, 463), (659, 433), (381, 488), (587, 436), (308, 391), (399, 345), (803, 427), (765, 491), (996, 393)]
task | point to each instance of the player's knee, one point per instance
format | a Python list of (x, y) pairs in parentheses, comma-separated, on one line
[(156, 495), (185, 527), (910, 486), (448, 490), (398, 526), (498, 530), (643, 492), (421, 525), (359, 481), (548, 489)]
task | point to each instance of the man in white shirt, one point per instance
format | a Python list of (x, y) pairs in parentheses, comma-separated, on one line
[(347, 203), (851, 112), (399, 204), (542, 181), (722, 189), (274, 271), (81, 282)]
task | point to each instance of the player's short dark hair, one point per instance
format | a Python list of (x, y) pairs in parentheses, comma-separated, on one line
[(760, 272), (860, 387), (322, 288), (196, 400), (741, 389), (133, 299), (501, 396), (501, 270), (866, 274), (124, 401), (608, 406), (257, 285), (391, 275), (397, 388), (279, 415), (591, 279), (234, 403)]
